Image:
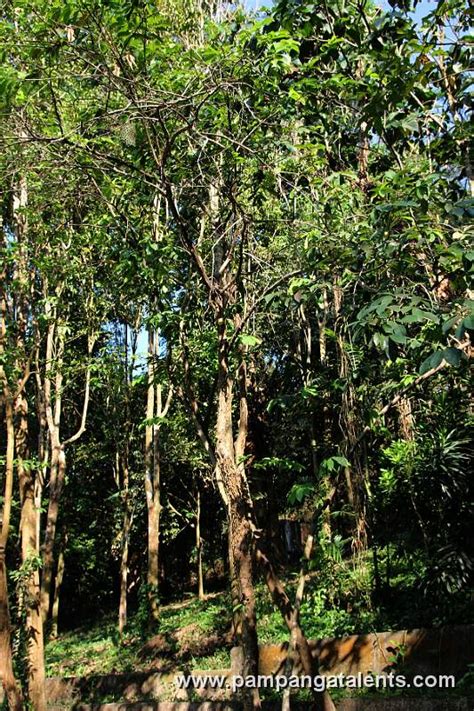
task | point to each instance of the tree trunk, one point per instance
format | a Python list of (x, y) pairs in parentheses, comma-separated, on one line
[(239, 512), (405, 415), (58, 457), (152, 478), (29, 551), (124, 575), (349, 425), (57, 329), (155, 408), (154, 550), (57, 587), (126, 526), (325, 438), (43, 445), (12, 690), (323, 701), (200, 576), (10, 686), (57, 477)]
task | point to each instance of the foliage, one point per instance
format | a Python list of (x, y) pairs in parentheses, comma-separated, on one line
[(289, 191)]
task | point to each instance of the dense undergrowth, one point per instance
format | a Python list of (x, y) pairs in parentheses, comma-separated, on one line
[(340, 599)]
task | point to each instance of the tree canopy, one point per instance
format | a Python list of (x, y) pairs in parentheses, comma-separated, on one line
[(236, 301)]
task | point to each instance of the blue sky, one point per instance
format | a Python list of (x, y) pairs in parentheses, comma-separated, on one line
[(422, 9)]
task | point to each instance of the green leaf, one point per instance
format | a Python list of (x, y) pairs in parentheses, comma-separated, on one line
[(248, 340), (447, 325), (452, 356), (342, 461), (299, 492), (431, 362)]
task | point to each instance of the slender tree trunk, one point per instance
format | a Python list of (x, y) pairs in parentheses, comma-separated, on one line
[(126, 527), (154, 408), (405, 415), (350, 431), (326, 481), (58, 457), (200, 576), (56, 485), (7, 677), (29, 548), (154, 544), (323, 701), (58, 449), (152, 483), (239, 510), (124, 576), (235, 594), (43, 448), (57, 587), (12, 690)]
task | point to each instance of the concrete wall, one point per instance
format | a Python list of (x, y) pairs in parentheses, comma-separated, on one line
[(447, 650)]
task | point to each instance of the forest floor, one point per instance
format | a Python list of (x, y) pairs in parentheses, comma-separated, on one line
[(197, 632)]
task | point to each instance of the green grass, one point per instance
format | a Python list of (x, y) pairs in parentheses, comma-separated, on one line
[(210, 615), (338, 602), (91, 650), (97, 649)]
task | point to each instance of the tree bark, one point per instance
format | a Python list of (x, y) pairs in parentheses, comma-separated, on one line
[(56, 485), (12, 689), (323, 701), (152, 485), (58, 457), (43, 441), (10, 685), (29, 551), (239, 513), (154, 409), (58, 449), (57, 587), (200, 576), (7, 676), (348, 422), (126, 527)]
